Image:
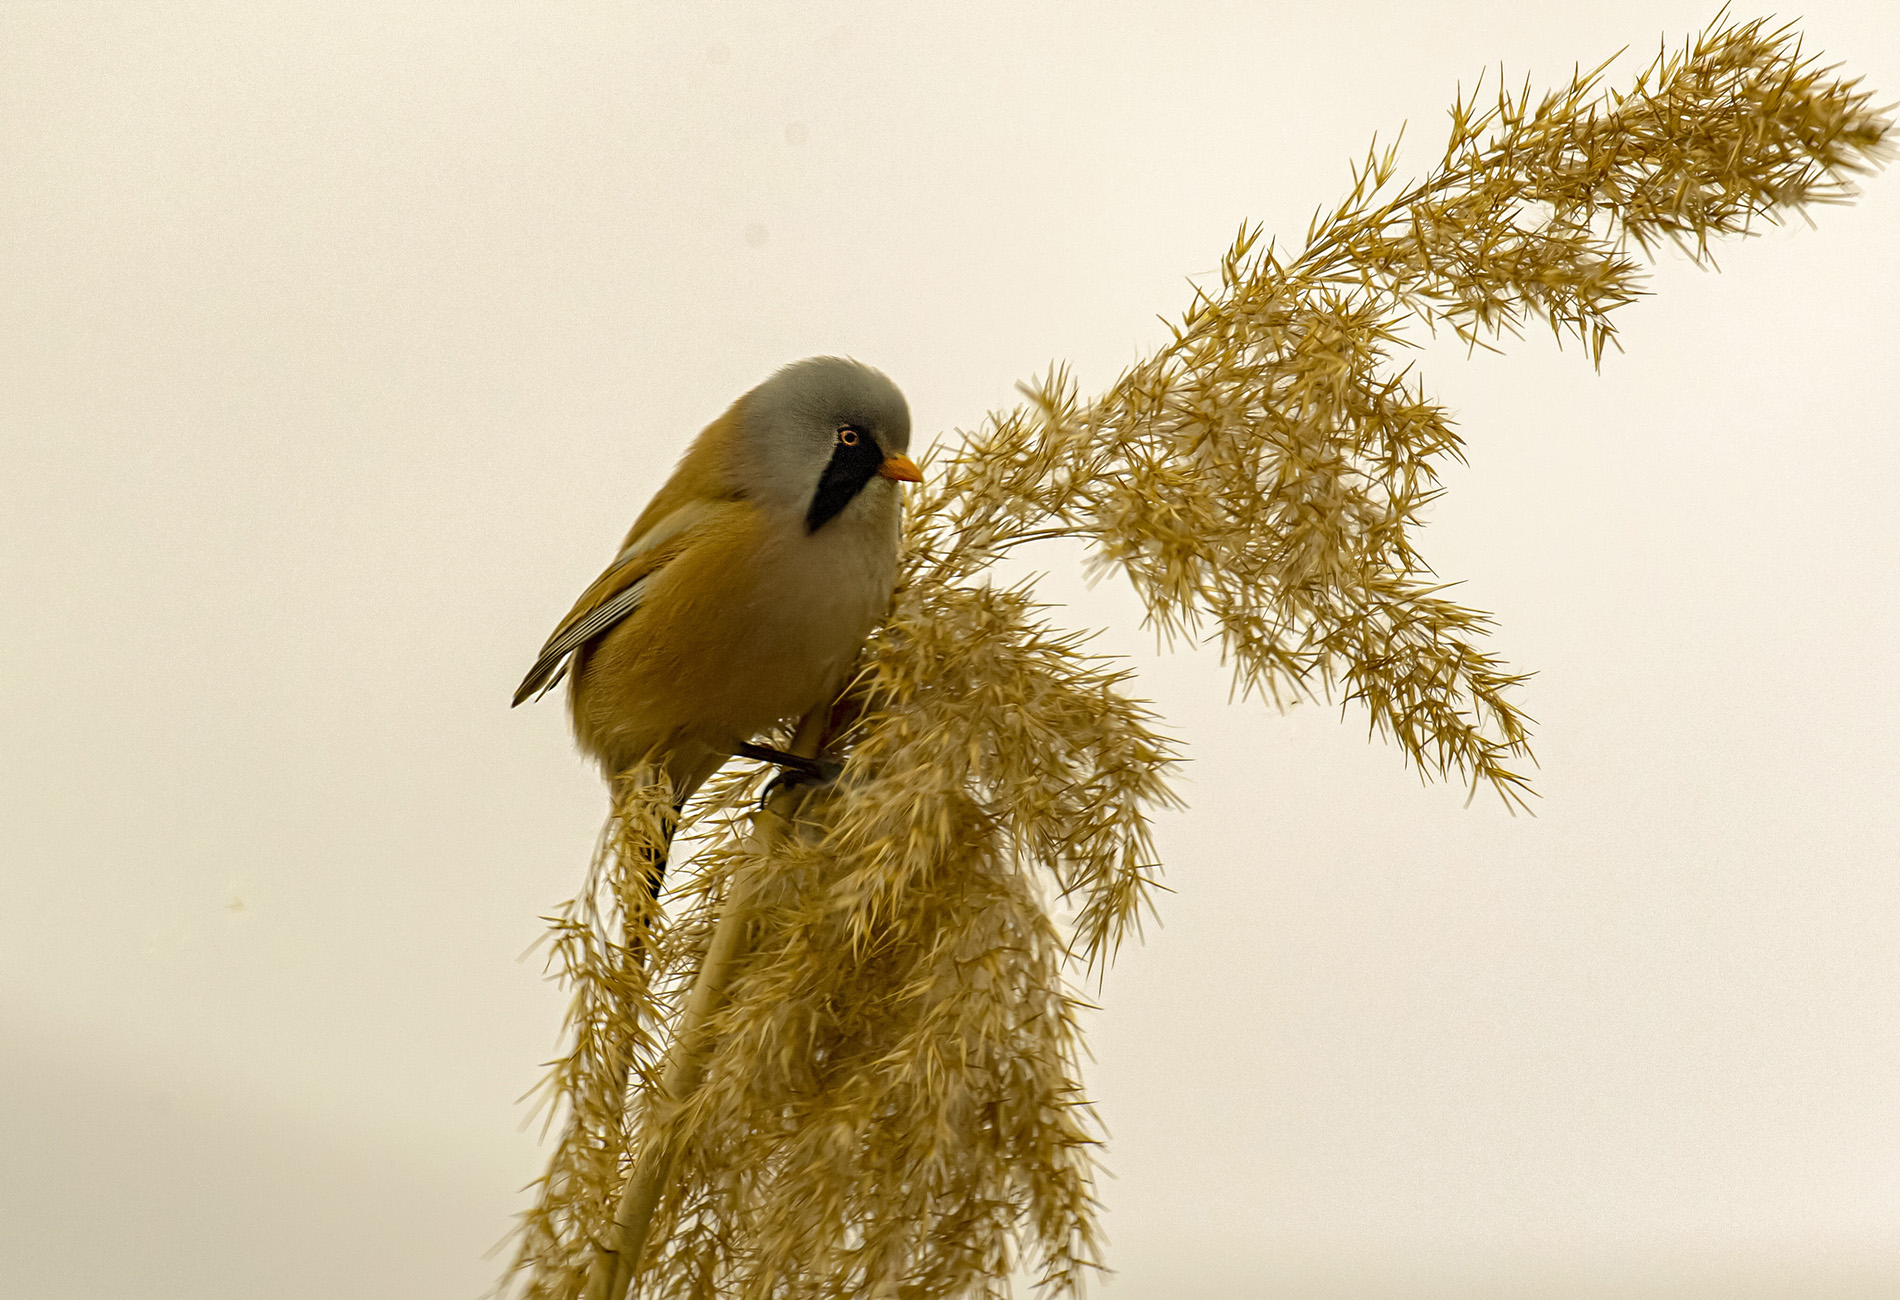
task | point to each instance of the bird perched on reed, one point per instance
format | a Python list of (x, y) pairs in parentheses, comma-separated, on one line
[(743, 592)]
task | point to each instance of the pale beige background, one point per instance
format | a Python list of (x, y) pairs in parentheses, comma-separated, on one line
[(338, 344)]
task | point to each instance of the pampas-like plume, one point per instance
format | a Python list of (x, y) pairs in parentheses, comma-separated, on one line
[(874, 1090)]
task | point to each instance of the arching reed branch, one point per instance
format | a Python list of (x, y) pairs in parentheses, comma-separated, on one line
[(889, 1100)]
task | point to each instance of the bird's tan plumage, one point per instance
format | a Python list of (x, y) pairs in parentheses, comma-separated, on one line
[(743, 591)]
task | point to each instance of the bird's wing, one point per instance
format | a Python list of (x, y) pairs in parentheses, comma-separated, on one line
[(615, 594)]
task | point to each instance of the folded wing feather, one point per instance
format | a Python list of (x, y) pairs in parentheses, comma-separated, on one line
[(614, 595)]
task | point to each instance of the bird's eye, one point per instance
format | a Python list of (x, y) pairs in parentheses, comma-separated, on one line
[(848, 436)]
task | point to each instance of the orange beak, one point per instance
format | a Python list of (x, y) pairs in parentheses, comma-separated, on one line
[(901, 468)]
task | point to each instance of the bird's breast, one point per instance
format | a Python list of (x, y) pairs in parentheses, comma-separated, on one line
[(752, 626), (816, 596)]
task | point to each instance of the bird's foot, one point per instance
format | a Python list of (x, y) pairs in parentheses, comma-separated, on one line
[(792, 779), (794, 769)]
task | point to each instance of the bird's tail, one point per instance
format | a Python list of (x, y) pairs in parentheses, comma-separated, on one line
[(644, 817)]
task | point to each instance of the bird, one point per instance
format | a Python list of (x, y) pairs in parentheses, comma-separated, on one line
[(745, 589)]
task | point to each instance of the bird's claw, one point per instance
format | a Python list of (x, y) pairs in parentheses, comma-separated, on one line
[(819, 773), (794, 769)]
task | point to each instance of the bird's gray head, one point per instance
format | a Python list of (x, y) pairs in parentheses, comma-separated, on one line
[(822, 430)]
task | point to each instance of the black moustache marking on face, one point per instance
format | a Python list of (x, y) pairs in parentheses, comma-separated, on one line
[(851, 467)]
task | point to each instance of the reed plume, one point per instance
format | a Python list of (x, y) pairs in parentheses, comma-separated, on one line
[(877, 1091)]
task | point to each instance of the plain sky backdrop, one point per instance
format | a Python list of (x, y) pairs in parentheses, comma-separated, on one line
[(339, 343)]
